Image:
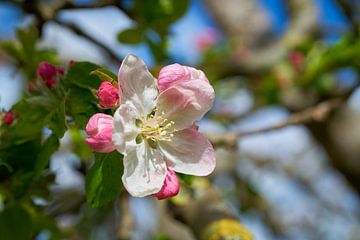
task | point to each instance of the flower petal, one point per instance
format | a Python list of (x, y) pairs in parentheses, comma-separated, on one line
[(144, 171), (170, 187), (124, 129), (171, 74), (99, 130), (137, 84), (186, 102), (189, 152)]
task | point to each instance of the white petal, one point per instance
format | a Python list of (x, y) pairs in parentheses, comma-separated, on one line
[(137, 84), (144, 171), (186, 102), (189, 152), (124, 129)]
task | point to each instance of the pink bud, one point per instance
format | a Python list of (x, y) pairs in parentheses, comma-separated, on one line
[(170, 187), (207, 39), (99, 130), (108, 95), (172, 74), (61, 71), (8, 118), (48, 73), (296, 58)]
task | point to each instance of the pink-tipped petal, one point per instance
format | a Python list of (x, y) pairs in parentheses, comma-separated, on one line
[(125, 129), (144, 171), (189, 152), (137, 84), (186, 102), (172, 74), (170, 187), (99, 130)]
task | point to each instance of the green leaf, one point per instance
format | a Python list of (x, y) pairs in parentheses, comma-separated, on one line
[(103, 180), (79, 75), (10, 48), (78, 144), (47, 149), (29, 123), (105, 75), (56, 119), (131, 36), (187, 179), (82, 104), (6, 165), (15, 223), (28, 38), (158, 49)]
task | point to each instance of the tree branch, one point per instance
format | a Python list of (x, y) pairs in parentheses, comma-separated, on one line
[(84, 34), (347, 9), (317, 113)]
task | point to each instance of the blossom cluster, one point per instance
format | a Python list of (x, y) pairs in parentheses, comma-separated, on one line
[(154, 126)]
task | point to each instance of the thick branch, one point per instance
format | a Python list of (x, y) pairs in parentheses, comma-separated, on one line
[(84, 34)]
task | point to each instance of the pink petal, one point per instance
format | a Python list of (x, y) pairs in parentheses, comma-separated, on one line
[(189, 152), (186, 102), (172, 74), (170, 187), (99, 145), (108, 95), (99, 130)]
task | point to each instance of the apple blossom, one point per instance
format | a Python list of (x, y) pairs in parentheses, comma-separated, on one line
[(99, 130), (155, 131)]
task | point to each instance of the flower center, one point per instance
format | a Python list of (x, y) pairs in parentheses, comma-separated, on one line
[(154, 128)]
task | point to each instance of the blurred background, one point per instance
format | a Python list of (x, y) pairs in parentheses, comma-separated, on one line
[(285, 123)]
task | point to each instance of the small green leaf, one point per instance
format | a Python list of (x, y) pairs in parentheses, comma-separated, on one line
[(103, 180), (81, 105), (47, 149), (105, 75), (187, 179), (78, 144), (6, 165), (79, 75), (15, 223), (56, 119), (131, 36)]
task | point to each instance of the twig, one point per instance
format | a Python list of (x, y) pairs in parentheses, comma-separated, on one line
[(98, 4), (82, 33), (317, 113), (347, 9)]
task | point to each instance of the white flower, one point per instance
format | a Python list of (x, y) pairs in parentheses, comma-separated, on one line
[(155, 131)]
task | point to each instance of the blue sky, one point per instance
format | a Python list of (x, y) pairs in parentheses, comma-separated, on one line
[(182, 42)]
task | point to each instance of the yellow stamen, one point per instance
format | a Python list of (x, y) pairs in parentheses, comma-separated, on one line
[(155, 129)]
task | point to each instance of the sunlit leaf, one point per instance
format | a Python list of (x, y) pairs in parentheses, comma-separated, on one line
[(131, 36), (103, 180), (15, 223)]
